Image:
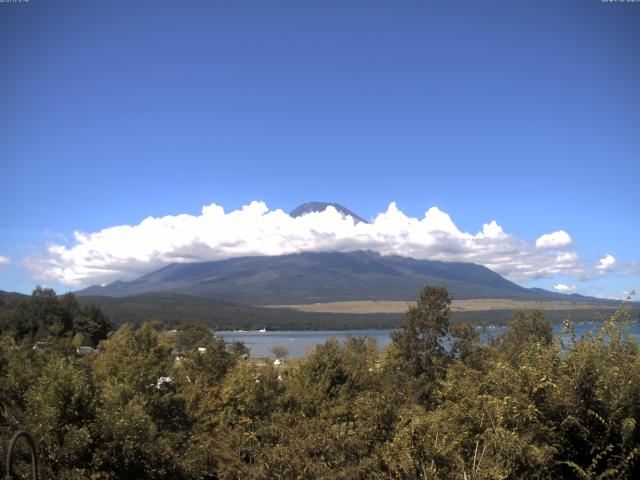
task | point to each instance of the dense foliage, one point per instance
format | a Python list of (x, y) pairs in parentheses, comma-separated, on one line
[(44, 316), (436, 404)]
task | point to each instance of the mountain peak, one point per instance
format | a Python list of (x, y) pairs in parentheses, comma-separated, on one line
[(310, 207)]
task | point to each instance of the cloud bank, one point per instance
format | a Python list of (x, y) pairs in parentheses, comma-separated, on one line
[(4, 260), (126, 251)]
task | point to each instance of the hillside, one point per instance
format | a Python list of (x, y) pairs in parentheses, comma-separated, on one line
[(8, 296), (324, 277)]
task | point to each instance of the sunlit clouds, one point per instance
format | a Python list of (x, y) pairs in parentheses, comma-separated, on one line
[(126, 251), (559, 239), (562, 288), (606, 264)]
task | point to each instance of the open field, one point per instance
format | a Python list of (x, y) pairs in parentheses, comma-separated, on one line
[(478, 305)]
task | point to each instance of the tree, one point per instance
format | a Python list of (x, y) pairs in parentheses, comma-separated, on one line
[(466, 345), (419, 348), (53, 320), (69, 304), (44, 314), (60, 411), (139, 419), (193, 335), (318, 381), (92, 324), (526, 327)]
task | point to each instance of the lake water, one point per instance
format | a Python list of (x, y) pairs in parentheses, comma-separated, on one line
[(300, 342)]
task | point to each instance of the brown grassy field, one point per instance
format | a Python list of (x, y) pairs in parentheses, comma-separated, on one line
[(393, 306)]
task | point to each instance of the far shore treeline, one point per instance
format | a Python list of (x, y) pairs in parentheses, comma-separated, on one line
[(172, 309), (151, 403)]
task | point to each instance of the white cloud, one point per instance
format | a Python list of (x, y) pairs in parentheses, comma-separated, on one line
[(559, 239), (126, 251), (4, 260), (606, 264), (562, 288)]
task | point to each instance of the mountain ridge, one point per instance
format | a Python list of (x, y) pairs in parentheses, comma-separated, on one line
[(315, 277)]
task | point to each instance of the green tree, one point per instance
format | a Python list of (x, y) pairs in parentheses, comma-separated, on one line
[(92, 324), (596, 404), (466, 345), (317, 382), (140, 421), (419, 347), (60, 410), (45, 315), (193, 335), (526, 327), (52, 318)]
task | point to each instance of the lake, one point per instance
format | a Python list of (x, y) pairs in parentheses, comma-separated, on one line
[(301, 341)]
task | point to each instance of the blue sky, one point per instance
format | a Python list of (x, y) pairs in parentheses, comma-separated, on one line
[(526, 113)]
